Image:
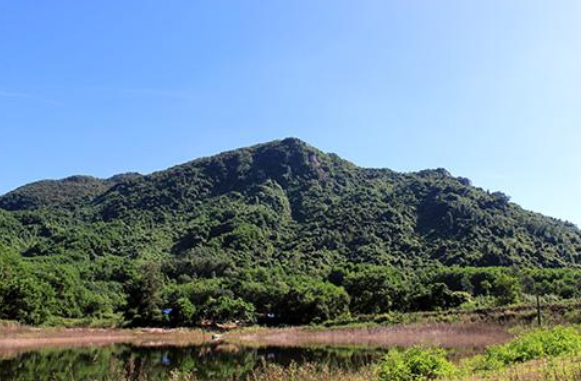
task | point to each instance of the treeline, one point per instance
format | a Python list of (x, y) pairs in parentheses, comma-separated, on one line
[(194, 292)]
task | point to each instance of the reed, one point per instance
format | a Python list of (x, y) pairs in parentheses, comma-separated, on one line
[(558, 369)]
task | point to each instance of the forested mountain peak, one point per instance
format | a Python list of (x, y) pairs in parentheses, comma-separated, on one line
[(53, 193), (286, 203)]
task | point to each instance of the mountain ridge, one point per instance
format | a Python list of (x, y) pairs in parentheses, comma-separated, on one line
[(280, 192)]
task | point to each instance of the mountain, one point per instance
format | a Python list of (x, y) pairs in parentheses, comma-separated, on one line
[(283, 203), (279, 232)]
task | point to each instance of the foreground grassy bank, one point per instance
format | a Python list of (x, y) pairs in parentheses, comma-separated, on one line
[(566, 368), (556, 369)]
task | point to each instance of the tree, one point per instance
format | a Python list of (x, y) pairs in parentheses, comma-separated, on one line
[(144, 302), (183, 312), (375, 289), (27, 300), (227, 309), (506, 289), (309, 301), (439, 297)]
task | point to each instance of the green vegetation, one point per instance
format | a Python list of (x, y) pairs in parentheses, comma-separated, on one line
[(534, 345), (418, 364), (278, 233), (415, 364)]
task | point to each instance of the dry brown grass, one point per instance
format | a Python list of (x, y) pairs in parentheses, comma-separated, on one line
[(564, 369), (310, 372), (272, 372), (444, 335)]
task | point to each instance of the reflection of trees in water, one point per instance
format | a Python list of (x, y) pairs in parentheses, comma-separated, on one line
[(77, 364), (207, 362)]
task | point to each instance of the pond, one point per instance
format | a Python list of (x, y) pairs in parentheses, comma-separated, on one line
[(217, 362)]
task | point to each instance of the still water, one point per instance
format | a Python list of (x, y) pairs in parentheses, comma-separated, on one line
[(136, 363)]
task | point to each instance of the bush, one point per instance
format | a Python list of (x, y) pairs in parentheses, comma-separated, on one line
[(226, 309), (415, 364), (27, 301), (309, 301), (184, 312), (540, 343)]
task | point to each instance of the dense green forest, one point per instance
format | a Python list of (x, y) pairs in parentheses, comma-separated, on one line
[(280, 233)]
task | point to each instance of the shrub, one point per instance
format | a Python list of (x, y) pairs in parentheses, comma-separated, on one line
[(310, 301), (27, 301), (227, 309), (415, 364), (539, 343), (184, 312)]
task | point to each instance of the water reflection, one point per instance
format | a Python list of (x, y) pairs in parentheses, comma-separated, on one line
[(207, 362)]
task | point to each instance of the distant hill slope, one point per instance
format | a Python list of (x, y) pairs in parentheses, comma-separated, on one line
[(283, 203)]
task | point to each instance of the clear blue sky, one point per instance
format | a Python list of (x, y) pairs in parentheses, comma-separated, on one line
[(489, 89)]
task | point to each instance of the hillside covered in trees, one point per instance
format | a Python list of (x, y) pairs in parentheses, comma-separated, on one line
[(278, 229)]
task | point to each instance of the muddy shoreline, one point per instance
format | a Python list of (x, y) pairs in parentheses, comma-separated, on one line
[(19, 339)]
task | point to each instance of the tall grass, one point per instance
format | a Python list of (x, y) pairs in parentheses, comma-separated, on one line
[(293, 372), (310, 372), (556, 369)]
